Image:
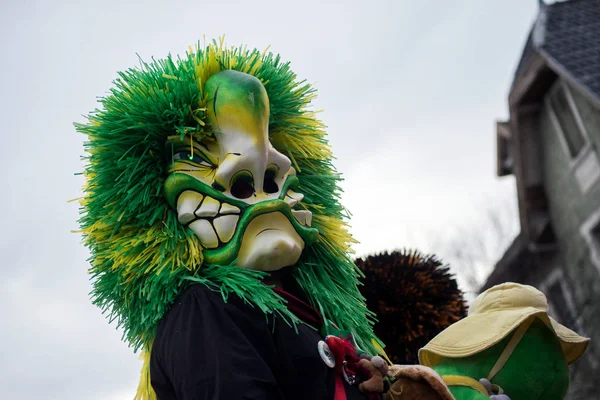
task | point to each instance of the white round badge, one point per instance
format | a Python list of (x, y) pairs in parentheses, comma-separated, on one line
[(325, 354)]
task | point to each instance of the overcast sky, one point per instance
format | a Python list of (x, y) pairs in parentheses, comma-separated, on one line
[(410, 89)]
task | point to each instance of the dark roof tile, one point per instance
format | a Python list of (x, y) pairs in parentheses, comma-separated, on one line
[(569, 33), (528, 53)]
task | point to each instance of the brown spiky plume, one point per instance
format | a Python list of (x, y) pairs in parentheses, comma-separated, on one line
[(414, 296)]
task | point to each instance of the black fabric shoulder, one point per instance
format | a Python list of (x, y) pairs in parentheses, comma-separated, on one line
[(206, 348)]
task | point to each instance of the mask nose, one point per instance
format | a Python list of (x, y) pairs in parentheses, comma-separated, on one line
[(242, 186), (255, 174), (238, 111)]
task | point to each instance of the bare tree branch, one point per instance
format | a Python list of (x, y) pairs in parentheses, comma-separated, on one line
[(474, 246)]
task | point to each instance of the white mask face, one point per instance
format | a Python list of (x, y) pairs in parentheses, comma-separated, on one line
[(235, 190)]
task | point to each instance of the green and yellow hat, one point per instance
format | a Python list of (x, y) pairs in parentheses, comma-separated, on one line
[(493, 315)]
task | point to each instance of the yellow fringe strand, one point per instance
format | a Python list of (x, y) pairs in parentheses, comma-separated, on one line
[(144, 390)]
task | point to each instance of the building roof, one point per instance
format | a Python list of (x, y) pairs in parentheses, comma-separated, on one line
[(528, 53), (567, 35)]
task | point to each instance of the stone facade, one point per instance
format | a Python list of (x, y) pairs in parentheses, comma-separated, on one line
[(572, 282), (566, 268)]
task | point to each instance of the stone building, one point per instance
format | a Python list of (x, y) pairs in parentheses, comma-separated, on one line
[(551, 144)]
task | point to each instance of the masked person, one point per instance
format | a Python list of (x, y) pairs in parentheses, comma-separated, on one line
[(217, 239)]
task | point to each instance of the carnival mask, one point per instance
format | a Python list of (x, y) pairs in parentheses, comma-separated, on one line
[(233, 189)]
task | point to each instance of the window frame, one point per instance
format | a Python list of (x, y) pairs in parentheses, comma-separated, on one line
[(557, 276), (560, 84), (593, 243), (585, 164)]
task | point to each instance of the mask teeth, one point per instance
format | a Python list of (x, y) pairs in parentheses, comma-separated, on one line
[(227, 209), (291, 202), (225, 227), (213, 222), (293, 198), (187, 203), (304, 217)]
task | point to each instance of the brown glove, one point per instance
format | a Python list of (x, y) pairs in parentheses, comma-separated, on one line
[(417, 382), (375, 383)]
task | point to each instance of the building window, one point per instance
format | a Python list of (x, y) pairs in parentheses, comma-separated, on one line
[(562, 308), (596, 234), (560, 301), (504, 156), (590, 230), (573, 136), (559, 304), (567, 118)]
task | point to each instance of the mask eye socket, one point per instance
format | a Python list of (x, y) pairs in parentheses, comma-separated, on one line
[(242, 186), (187, 156), (269, 185)]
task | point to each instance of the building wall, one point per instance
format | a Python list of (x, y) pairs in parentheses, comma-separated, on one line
[(572, 270)]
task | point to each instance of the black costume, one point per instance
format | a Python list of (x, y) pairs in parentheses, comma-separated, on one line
[(206, 348)]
